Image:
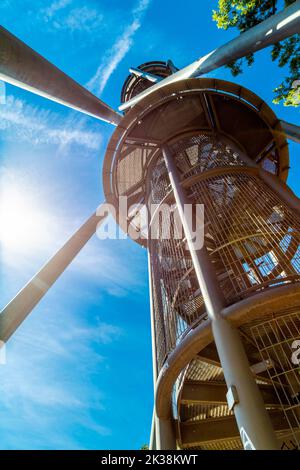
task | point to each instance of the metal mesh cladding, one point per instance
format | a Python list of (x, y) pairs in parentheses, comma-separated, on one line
[(278, 342), (200, 153), (252, 237), (130, 167)]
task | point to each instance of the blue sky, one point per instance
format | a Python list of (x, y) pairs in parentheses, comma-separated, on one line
[(78, 372)]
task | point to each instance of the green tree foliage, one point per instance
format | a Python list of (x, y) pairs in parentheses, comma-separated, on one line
[(144, 447), (244, 14)]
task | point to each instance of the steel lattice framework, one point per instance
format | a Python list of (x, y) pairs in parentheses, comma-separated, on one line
[(225, 315), (230, 154)]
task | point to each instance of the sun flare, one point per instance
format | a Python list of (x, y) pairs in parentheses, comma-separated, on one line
[(23, 222)]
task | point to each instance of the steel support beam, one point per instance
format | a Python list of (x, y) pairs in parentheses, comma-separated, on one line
[(152, 441), (142, 73), (28, 297), (292, 131), (23, 67), (274, 29), (218, 429), (172, 66), (203, 392), (165, 434), (210, 392), (210, 356), (212, 295), (249, 408), (208, 430)]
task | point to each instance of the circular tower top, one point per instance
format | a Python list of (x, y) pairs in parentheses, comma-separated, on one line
[(135, 84), (204, 105)]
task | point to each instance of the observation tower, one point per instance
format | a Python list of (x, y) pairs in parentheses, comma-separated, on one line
[(225, 320), (224, 316)]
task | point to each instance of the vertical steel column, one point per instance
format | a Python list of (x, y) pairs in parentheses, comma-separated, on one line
[(162, 430), (164, 434), (152, 441), (243, 394), (292, 131)]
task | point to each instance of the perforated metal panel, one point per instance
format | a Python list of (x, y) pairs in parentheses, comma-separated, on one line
[(278, 342), (252, 237)]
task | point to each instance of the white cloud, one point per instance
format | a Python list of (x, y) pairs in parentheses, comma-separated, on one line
[(141, 7), (112, 59), (117, 52), (31, 124), (41, 393), (107, 266), (48, 383), (76, 19), (81, 19), (102, 333), (55, 7), (55, 340)]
